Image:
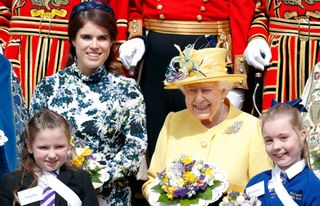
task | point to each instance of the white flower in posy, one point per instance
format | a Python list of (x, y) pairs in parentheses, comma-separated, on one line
[(3, 138)]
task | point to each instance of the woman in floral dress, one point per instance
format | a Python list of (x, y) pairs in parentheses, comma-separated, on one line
[(106, 110)]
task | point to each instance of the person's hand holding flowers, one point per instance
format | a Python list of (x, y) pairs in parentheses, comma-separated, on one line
[(187, 181), (83, 158)]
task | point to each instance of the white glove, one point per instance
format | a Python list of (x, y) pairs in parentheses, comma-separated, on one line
[(253, 53), (236, 97), (131, 52)]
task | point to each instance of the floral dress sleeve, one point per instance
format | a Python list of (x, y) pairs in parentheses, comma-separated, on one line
[(133, 128)]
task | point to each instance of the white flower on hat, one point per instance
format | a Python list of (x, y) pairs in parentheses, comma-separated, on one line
[(3, 138)]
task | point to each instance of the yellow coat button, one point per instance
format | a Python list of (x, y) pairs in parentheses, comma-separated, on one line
[(204, 144), (159, 7), (202, 8), (205, 1)]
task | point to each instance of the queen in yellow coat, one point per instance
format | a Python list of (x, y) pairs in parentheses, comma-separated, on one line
[(210, 129)]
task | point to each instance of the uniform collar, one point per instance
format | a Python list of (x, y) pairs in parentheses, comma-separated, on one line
[(292, 171)]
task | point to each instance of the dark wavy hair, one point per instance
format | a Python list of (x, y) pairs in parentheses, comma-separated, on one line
[(44, 119), (101, 18)]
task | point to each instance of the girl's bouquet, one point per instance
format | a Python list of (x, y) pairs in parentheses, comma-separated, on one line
[(315, 158), (82, 158), (239, 199), (187, 181), (315, 161)]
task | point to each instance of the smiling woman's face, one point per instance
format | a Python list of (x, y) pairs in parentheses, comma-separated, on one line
[(203, 100), (92, 44)]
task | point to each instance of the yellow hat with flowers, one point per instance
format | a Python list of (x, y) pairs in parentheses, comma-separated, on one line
[(195, 66)]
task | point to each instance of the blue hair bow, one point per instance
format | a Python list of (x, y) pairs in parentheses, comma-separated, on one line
[(88, 5), (294, 103)]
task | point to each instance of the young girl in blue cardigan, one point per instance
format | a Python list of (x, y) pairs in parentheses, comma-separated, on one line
[(291, 182)]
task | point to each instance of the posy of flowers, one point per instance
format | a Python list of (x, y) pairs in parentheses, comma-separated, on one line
[(83, 158), (187, 181), (239, 199)]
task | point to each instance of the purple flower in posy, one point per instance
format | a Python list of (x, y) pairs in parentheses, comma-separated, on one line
[(161, 175), (204, 186), (206, 166), (189, 166), (200, 187), (181, 193)]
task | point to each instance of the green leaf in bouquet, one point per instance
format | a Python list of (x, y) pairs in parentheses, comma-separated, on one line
[(158, 189), (188, 202), (95, 177), (206, 194), (164, 198), (234, 196)]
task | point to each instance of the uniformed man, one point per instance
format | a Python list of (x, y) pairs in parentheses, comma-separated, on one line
[(284, 42)]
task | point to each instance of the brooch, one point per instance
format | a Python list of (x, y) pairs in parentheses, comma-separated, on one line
[(234, 128)]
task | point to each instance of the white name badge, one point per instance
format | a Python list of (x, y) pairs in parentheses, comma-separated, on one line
[(256, 189), (30, 195)]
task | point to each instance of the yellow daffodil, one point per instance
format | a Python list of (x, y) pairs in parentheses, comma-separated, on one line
[(86, 152), (189, 177), (187, 160), (165, 180), (208, 172), (78, 162), (170, 192)]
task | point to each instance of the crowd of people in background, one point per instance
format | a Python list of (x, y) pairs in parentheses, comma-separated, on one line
[(95, 91)]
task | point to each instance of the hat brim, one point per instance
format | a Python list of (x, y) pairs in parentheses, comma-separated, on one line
[(189, 80)]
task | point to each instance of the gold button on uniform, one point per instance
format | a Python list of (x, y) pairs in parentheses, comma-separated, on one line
[(134, 26), (205, 1), (202, 8), (199, 17), (161, 16), (159, 7), (204, 144)]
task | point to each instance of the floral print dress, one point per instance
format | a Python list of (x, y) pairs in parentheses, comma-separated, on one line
[(105, 111)]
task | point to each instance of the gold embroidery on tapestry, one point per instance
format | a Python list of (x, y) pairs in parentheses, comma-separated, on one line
[(48, 4)]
